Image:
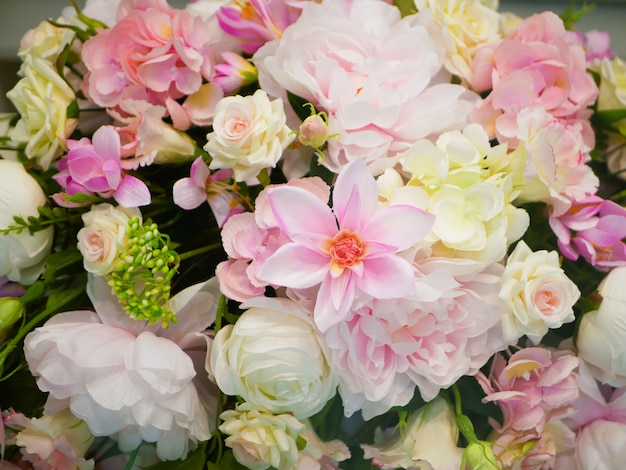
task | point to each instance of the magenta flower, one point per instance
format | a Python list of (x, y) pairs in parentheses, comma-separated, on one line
[(595, 229), (202, 186), (94, 167), (349, 250)]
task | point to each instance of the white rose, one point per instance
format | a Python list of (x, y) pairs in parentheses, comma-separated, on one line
[(273, 358), (601, 445), (430, 435), (104, 237), (46, 41), (536, 294), (468, 26), (22, 256), (601, 339), (249, 134), (42, 98), (261, 440)]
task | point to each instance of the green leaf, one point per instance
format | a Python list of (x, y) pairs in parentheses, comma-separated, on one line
[(59, 262), (229, 462), (73, 110), (263, 177), (406, 7), (300, 106), (608, 118), (60, 297), (571, 15)]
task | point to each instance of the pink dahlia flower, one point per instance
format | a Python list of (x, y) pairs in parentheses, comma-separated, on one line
[(128, 379), (349, 250)]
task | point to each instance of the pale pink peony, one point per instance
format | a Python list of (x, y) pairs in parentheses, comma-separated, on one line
[(349, 250), (378, 76), (94, 167), (128, 379), (449, 327), (536, 386), (535, 66), (155, 52)]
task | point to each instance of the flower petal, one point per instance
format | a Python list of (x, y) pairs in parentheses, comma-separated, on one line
[(132, 192), (354, 183), (401, 226), (294, 266)]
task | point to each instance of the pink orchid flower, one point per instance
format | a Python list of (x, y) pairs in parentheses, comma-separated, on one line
[(349, 250), (595, 229), (202, 186), (94, 167)]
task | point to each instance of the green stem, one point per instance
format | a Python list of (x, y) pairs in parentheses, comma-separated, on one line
[(131, 459), (198, 251)]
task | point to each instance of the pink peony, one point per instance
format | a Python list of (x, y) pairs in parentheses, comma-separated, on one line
[(593, 228), (446, 329), (535, 66), (348, 251), (94, 167), (128, 379), (534, 388), (597, 44), (154, 53), (378, 77)]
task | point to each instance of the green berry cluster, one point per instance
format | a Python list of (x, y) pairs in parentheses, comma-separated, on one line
[(141, 281)]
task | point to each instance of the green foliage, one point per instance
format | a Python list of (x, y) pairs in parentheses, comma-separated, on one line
[(406, 7), (33, 224), (571, 15)]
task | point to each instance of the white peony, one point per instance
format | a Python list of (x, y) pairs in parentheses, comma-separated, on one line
[(536, 294), (273, 358), (22, 256), (249, 134), (128, 379)]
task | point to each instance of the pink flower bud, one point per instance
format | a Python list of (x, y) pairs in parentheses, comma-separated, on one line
[(313, 131)]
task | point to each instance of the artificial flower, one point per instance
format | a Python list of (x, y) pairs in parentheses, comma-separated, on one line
[(149, 385), (22, 255), (284, 370)]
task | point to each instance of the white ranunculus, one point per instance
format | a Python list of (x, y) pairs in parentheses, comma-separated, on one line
[(22, 256), (273, 358), (46, 41), (261, 440), (104, 237), (249, 134), (430, 435), (536, 294), (42, 98), (602, 333), (601, 445), (468, 26)]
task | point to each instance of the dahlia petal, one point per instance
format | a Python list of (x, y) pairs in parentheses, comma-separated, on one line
[(106, 142), (298, 211), (132, 192), (355, 175), (386, 277), (294, 266), (325, 314), (400, 226), (187, 195)]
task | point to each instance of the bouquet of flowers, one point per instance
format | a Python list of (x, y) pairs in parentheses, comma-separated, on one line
[(300, 234)]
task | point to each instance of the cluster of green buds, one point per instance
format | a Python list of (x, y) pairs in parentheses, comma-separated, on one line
[(141, 281)]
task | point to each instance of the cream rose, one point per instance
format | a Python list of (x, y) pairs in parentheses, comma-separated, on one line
[(42, 98), (536, 294), (261, 440), (601, 339), (22, 255), (46, 41), (104, 236), (273, 358), (249, 134), (467, 26)]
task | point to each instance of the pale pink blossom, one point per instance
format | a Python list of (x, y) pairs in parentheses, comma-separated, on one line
[(349, 250), (129, 379), (203, 186), (153, 50), (449, 327), (593, 228), (597, 44), (94, 167), (234, 72), (378, 77), (254, 22), (534, 66), (535, 387)]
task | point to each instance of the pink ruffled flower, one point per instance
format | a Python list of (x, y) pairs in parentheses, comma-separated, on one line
[(154, 52), (349, 250), (94, 167), (203, 186), (449, 327), (128, 379), (597, 44), (595, 229), (534, 388), (535, 66), (377, 76), (256, 22)]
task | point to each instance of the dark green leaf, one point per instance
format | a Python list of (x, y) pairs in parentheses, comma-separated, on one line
[(608, 118), (300, 106), (73, 110), (194, 461), (58, 262)]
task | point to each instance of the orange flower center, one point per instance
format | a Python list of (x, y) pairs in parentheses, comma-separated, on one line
[(345, 249)]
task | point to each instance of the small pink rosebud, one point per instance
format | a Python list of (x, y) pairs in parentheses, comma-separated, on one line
[(313, 131)]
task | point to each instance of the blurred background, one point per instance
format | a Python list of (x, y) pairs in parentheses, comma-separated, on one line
[(17, 16)]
